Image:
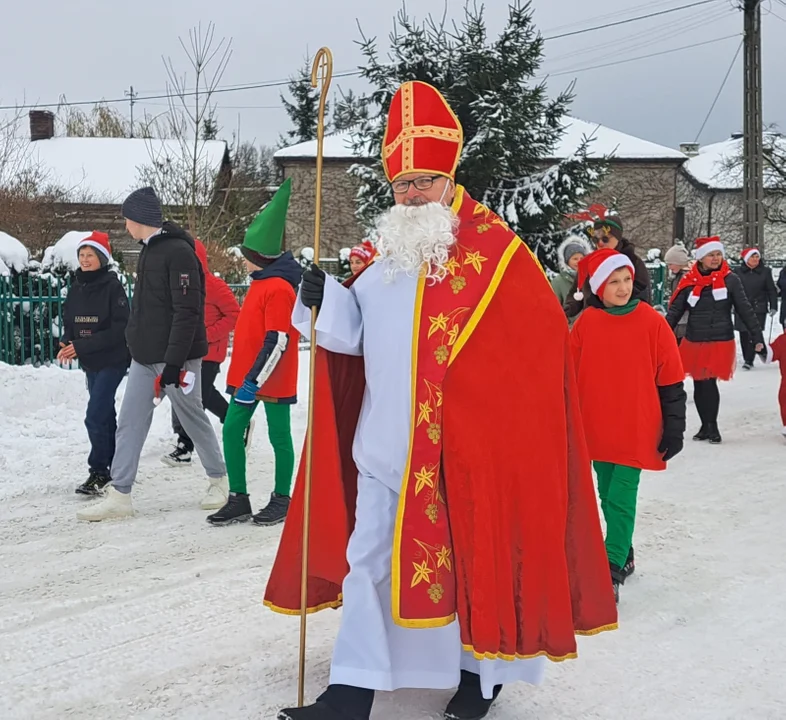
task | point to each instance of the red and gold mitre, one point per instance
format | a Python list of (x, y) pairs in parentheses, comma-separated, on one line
[(422, 135)]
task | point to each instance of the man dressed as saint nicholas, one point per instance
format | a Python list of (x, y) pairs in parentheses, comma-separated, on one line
[(454, 515)]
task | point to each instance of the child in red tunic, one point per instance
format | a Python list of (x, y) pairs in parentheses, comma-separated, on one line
[(776, 352), (640, 426)]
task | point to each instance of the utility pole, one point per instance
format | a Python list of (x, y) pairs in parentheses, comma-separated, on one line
[(753, 130), (131, 95)]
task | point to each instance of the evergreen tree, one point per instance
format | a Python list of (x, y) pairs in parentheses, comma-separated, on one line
[(511, 126), (349, 111), (210, 127), (303, 109)]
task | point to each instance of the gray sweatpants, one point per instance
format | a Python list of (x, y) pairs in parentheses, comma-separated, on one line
[(136, 415)]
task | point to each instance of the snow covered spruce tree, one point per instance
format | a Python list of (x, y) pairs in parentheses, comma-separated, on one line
[(511, 126), (303, 108)]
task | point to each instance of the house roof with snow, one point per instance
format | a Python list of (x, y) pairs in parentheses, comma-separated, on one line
[(606, 142), (719, 166), (105, 170)]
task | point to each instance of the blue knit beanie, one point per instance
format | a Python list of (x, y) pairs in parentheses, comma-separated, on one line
[(144, 207)]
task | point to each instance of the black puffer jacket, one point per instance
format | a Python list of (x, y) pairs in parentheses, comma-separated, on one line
[(95, 315), (642, 286), (759, 288), (710, 320), (782, 288), (167, 322)]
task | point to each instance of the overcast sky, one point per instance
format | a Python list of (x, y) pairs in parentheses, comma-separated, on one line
[(86, 50)]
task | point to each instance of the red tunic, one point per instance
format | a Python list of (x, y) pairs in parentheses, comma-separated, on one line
[(268, 307), (498, 523), (620, 361)]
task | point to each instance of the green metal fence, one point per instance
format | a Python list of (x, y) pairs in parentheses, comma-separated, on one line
[(31, 307)]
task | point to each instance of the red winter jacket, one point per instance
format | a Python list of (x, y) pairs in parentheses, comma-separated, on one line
[(221, 311)]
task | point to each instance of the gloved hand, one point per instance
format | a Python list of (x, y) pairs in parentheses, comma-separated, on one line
[(247, 393), (670, 446), (312, 287), (773, 312), (170, 376)]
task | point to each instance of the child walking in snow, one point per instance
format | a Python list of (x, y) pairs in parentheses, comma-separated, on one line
[(264, 365), (641, 426), (95, 315)]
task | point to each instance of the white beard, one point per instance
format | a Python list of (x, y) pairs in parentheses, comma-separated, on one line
[(416, 240)]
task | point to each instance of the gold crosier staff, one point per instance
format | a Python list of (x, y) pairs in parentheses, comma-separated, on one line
[(322, 70)]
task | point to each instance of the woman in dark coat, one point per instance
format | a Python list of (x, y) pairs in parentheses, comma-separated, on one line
[(762, 294), (709, 292), (607, 233), (782, 288), (95, 315)]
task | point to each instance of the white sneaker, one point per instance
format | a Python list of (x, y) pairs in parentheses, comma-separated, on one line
[(114, 505), (217, 494)]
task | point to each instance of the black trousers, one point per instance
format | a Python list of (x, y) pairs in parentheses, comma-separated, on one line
[(746, 340), (212, 400), (707, 398)]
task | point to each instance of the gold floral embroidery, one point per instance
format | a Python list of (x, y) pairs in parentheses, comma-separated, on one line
[(483, 227), (422, 573), (441, 354), (432, 511), (453, 334), (443, 558), (458, 284), (452, 266), (438, 323), (425, 413), (435, 592), (425, 478), (434, 433), (476, 260)]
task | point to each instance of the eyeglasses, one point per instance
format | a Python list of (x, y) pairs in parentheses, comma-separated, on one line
[(422, 183)]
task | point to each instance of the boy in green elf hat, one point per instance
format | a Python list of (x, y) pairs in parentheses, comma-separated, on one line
[(264, 365)]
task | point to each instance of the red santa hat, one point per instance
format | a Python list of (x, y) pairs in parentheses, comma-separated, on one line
[(748, 253), (598, 267), (422, 134), (365, 251), (98, 241), (706, 245)]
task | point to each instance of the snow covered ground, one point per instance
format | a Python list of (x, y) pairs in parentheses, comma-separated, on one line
[(161, 616)]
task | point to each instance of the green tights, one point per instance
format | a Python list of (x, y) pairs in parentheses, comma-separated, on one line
[(618, 487), (280, 434)]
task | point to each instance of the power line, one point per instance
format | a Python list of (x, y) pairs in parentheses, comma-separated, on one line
[(630, 20), (720, 90), (642, 57), (166, 96), (348, 73)]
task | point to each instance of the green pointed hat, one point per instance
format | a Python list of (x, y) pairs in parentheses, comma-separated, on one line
[(266, 232)]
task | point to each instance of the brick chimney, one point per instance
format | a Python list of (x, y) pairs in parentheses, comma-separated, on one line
[(42, 125)]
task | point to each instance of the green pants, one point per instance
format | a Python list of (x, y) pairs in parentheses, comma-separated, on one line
[(618, 487), (278, 430)]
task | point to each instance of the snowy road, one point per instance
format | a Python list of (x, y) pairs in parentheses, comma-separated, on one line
[(161, 616)]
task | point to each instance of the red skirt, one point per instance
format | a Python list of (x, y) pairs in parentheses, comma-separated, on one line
[(707, 360)]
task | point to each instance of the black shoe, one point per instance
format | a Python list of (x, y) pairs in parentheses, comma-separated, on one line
[(713, 434), (617, 579), (338, 702), (237, 510), (630, 564), (274, 512), (748, 366), (468, 703), (318, 711), (703, 434), (94, 485), (181, 457)]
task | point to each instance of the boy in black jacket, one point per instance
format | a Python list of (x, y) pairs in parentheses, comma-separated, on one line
[(95, 314), (167, 339)]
